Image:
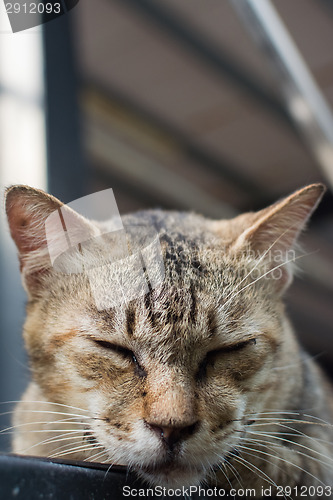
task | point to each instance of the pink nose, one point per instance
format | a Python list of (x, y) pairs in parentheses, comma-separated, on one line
[(171, 435)]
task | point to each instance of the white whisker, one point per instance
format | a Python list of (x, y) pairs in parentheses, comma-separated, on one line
[(53, 439), (72, 442), (266, 274), (109, 468), (96, 456), (255, 469), (27, 424), (261, 258), (299, 413), (83, 448), (46, 412), (284, 440), (283, 460), (220, 465), (235, 473), (266, 477), (44, 402), (268, 421), (292, 434)]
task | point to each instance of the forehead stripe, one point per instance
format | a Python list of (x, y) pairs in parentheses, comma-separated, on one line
[(130, 320), (148, 306)]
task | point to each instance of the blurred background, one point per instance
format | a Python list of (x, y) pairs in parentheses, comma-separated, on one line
[(189, 105)]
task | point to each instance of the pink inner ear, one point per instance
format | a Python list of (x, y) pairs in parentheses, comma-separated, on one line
[(281, 224), (21, 230), (43, 229), (27, 209), (276, 230), (275, 233)]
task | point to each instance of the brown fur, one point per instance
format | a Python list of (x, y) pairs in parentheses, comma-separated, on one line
[(217, 367)]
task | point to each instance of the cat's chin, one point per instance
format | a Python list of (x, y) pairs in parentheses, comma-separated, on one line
[(171, 475)]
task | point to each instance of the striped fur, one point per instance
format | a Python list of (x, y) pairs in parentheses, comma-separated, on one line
[(200, 379)]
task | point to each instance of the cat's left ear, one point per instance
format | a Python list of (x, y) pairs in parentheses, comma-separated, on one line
[(274, 231)]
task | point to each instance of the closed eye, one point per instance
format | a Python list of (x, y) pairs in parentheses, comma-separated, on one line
[(234, 347), (123, 351), (127, 353), (212, 355)]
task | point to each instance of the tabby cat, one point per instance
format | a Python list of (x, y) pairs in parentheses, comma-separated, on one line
[(199, 381)]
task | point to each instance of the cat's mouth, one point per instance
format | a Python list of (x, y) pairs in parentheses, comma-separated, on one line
[(171, 473), (168, 466), (164, 467)]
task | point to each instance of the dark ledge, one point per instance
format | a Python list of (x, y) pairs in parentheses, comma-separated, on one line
[(34, 478)]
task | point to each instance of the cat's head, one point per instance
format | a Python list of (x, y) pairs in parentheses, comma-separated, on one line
[(173, 378)]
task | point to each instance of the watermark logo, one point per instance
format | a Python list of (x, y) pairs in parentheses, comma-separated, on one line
[(28, 14), (121, 262)]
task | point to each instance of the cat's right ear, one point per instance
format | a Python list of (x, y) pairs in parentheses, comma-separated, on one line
[(28, 209), (272, 233)]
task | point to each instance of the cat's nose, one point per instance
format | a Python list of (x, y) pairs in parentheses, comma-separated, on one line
[(170, 434)]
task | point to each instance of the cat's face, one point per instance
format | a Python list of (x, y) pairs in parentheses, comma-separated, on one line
[(170, 380)]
